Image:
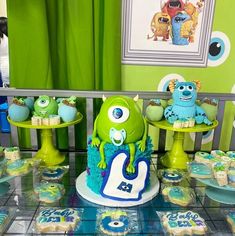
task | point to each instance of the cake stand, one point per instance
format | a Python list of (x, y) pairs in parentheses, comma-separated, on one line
[(222, 194), (4, 185), (177, 157), (48, 153), (87, 194)]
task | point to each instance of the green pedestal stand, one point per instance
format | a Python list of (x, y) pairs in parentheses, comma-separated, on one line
[(48, 153), (177, 157)]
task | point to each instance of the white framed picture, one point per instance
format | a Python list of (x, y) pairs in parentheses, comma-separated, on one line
[(166, 32)]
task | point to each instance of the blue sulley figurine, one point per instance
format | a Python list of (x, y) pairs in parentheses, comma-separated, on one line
[(184, 96)]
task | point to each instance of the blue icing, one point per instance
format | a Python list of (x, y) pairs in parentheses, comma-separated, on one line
[(176, 192), (231, 154), (53, 173), (119, 225), (96, 176), (49, 191), (172, 175), (200, 169)]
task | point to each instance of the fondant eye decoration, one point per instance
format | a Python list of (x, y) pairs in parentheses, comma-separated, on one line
[(116, 224), (181, 88), (43, 102), (190, 88), (219, 48), (118, 114)]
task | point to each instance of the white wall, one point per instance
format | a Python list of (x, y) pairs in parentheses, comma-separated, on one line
[(3, 8)]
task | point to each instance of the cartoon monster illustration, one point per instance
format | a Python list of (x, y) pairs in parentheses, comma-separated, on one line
[(182, 29), (193, 12), (160, 26), (120, 122), (184, 107), (172, 7), (45, 106)]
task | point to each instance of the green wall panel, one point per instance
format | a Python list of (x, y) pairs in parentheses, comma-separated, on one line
[(218, 79)]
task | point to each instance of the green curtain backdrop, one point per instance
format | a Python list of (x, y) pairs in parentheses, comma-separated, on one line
[(65, 44)]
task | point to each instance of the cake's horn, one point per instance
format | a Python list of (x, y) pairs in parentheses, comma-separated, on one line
[(198, 84), (103, 98), (172, 85), (136, 98)]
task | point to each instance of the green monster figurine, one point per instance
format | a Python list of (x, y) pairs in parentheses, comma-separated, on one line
[(120, 122), (45, 106)]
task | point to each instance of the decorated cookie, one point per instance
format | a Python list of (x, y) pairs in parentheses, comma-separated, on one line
[(49, 192), (179, 195), (204, 157), (171, 176), (114, 223), (231, 155), (56, 219), (12, 153), (199, 170), (217, 153), (231, 220), (18, 167), (53, 173), (231, 177), (4, 216), (184, 223), (220, 173)]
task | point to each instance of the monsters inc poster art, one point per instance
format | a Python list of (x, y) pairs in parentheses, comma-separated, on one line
[(167, 32)]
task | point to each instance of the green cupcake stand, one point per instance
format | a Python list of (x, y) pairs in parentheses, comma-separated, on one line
[(177, 157), (47, 153)]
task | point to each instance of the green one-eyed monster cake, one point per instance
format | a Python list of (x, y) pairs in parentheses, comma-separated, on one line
[(119, 151)]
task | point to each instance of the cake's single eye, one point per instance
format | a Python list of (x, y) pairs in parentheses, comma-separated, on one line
[(190, 88), (181, 88), (118, 114), (116, 224), (219, 49), (43, 102)]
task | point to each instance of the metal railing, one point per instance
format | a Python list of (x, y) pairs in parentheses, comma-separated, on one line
[(90, 97)]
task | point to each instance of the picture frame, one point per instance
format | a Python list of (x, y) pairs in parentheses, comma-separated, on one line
[(142, 45)]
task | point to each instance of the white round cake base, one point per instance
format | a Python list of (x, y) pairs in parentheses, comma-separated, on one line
[(86, 193)]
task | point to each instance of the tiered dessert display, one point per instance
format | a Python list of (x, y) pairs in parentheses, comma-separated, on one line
[(45, 118), (182, 116)]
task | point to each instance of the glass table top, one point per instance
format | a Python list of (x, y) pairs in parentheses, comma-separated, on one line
[(21, 197)]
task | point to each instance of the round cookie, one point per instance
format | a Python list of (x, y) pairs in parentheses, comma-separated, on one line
[(114, 223), (171, 176), (53, 173), (49, 192), (18, 167)]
